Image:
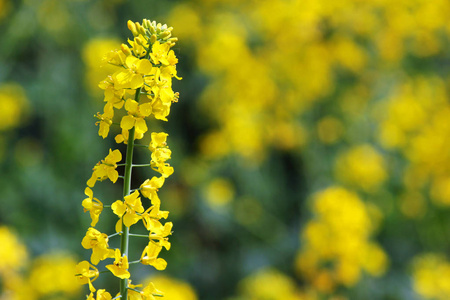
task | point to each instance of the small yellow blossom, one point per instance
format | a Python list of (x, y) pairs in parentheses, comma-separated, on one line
[(130, 209), (105, 121), (123, 137), (120, 266), (160, 53), (106, 168), (132, 76), (136, 114), (86, 273), (115, 57), (149, 188), (151, 217), (158, 140), (160, 153), (98, 242), (139, 49), (93, 205), (101, 295), (150, 256), (148, 293)]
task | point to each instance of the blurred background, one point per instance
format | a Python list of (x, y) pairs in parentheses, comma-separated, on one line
[(310, 146)]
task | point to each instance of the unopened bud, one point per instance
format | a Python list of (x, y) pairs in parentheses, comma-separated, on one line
[(141, 29), (153, 38), (139, 40), (125, 49), (172, 40), (132, 28), (151, 28), (165, 35)]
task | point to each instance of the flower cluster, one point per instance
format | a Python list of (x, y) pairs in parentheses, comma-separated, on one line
[(139, 88), (24, 277), (430, 275), (337, 244)]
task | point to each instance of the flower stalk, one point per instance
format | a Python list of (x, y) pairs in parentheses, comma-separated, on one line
[(142, 86)]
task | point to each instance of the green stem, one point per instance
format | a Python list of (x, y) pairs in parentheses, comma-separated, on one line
[(134, 262), (126, 191), (114, 234), (142, 165), (139, 235)]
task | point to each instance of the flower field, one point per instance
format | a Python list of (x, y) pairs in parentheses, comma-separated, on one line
[(283, 149)]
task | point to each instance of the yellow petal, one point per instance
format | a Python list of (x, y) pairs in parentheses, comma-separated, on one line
[(136, 81), (141, 126), (88, 192), (130, 219), (160, 264), (119, 208), (131, 106), (127, 122), (145, 109), (144, 67), (113, 175)]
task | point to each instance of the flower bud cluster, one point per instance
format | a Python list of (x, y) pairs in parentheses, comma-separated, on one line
[(140, 88)]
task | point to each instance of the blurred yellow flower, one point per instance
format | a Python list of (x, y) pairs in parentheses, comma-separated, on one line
[(336, 244), (440, 190), (329, 130), (431, 273), (219, 192), (52, 273), (92, 54), (174, 289), (5, 7), (13, 253), (13, 105), (362, 166), (269, 284), (413, 204)]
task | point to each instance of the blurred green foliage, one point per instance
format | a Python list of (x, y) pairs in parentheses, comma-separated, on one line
[(310, 143)]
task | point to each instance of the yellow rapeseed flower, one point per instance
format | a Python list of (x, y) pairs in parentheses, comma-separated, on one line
[(136, 114), (93, 205), (86, 273), (120, 266), (106, 168), (174, 289), (98, 242), (130, 209), (132, 76), (13, 253)]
